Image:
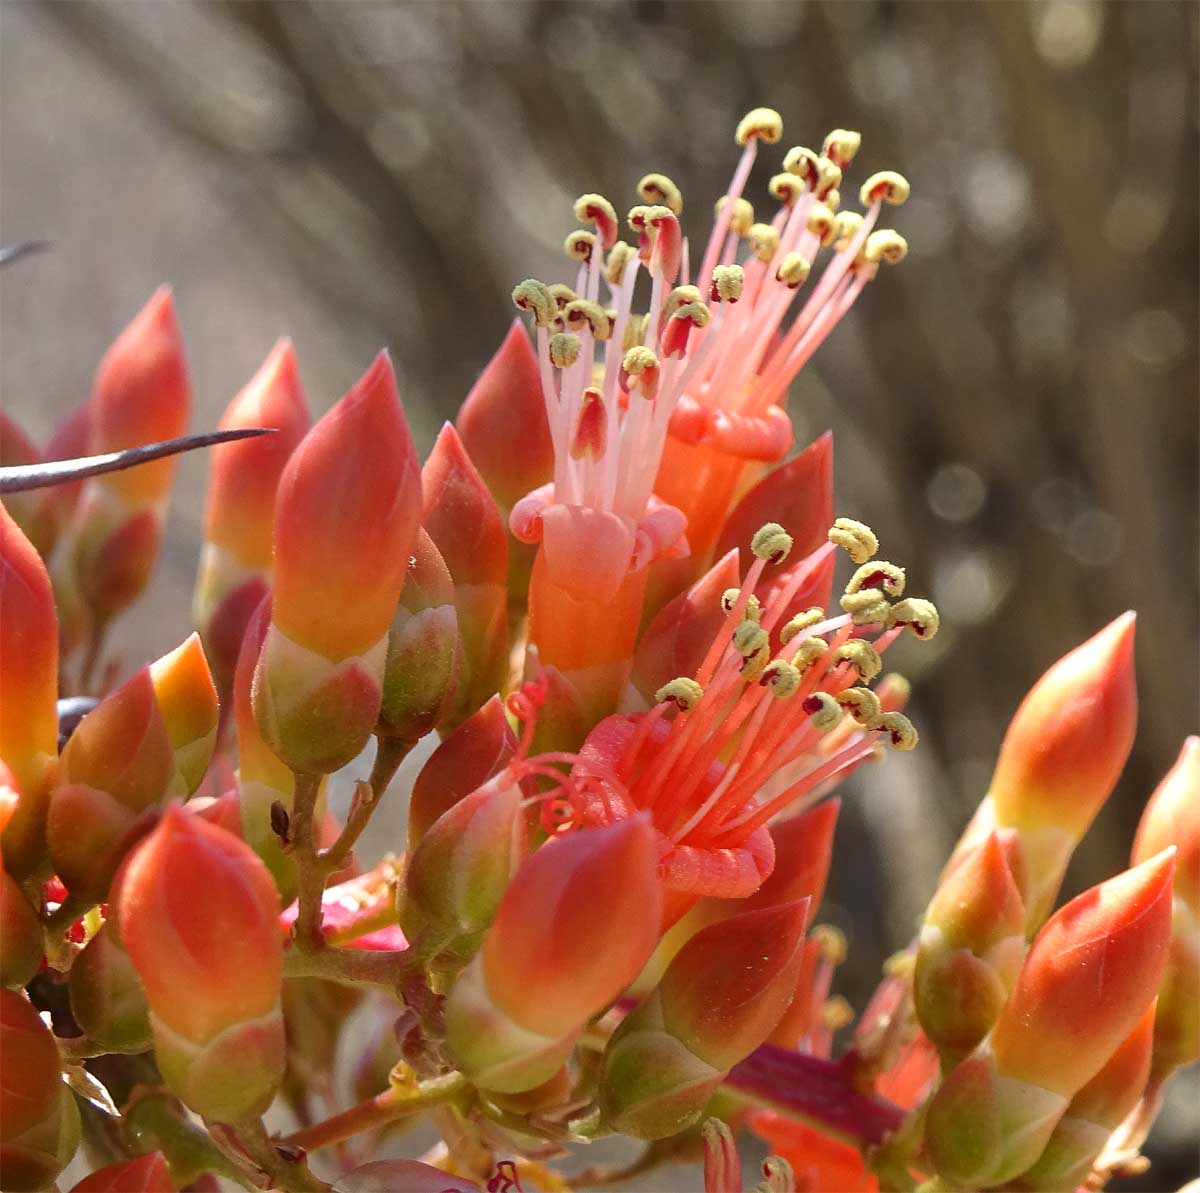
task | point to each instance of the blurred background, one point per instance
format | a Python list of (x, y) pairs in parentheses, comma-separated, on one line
[(1015, 408)]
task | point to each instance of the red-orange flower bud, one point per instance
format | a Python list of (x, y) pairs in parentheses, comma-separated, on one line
[(107, 999), (423, 657), (28, 692), (575, 926), (503, 424), (1172, 817), (145, 1174), (20, 934), (39, 1122), (213, 993), (141, 396), (235, 566), (345, 521), (718, 1000), (465, 525), (187, 702), (30, 511), (1089, 976), (1062, 755), (478, 749)]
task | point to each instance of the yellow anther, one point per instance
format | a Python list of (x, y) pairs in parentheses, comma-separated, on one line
[(742, 219), (580, 245), (841, 144), (535, 297), (831, 943), (727, 283), (846, 226), (582, 311), (829, 176), (787, 188), (900, 965), (680, 297), (562, 294), (808, 651), (684, 693), (641, 362), (658, 188), (802, 162), (764, 123), (771, 542), (878, 574), (857, 538), (836, 1013), (833, 199), (596, 209), (921, 616), (866, 607), (793, 270), (886, 245), (618, 258), (753, 609), (642, 218), (697, 312), (886, 186), (749, 638), (862, 704), (900, 729), (754, 666), (861, 655), (764, 240), (801, 622), (564, 349), (822, 223), (729, 599), (782, 678), (826, 715), (635, 331)]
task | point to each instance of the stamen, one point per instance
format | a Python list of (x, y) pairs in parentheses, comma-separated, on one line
[(562, 294), (900, 729), (886, 245), (829, 177), (782, 678), (803, 163), (787, 188), (846, 225), (680, 296), (679, 327), (771, 542), (764, 123), (658, 188), (822, 223), (535, 297), (580, 245), (866, 607), (727, 283), (684, 693), (581, 311), (564, 349), (862, 704), (808, 651), (742, 219), (793, 270), (885, 187), (596, 209), (764, 240), (857, 538), (823, 710), (751, 611), (639, 367), (841, 145), (618, 257), (861, 655), (919, 615), (749, 638), (878, 573)]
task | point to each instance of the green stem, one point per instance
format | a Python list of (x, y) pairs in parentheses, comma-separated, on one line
[(310, 874), (393, 1104), (390, 752), (286, 1167), (381, 969)]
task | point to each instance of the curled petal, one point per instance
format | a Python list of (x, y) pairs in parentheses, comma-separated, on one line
[(525, 521), (660, 534)]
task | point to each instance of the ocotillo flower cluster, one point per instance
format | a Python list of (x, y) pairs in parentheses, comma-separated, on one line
[(648, 651)]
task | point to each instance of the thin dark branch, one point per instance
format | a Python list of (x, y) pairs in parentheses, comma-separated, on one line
[(19, 478), (14, 252)]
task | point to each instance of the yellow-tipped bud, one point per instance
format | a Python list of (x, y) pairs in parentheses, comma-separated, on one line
[(535, 297), (887, 186), (764, 240), (856, 537), (764, 123), (793, 270), (771, 542), (659, 189)]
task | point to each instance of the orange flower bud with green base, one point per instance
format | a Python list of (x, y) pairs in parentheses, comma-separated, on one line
[(1061, 757), (346, 518), (1088, 979), (1172, 817), (28, 693), (144, 1174), (187, 702), (39, 1122), (424, 657), (107, 999), (475, 751), (213, 993), (464, 523), (971, 946), (458, 872), (719, 999), (141, 395), (1095, 1112), (29, 510), (235, 564), (574, 927)]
